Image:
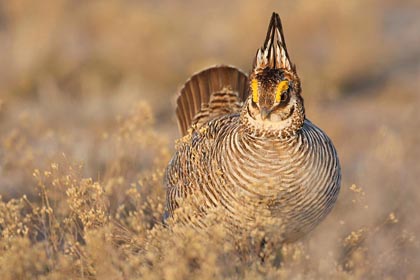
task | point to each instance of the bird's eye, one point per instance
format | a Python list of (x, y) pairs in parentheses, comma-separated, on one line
[(281, 91), (254, 105), (284, 96)]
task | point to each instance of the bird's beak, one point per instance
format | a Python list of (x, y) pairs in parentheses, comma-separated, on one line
[(264, 112)]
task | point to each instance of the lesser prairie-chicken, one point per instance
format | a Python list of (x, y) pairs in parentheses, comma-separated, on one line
[(248, 149)]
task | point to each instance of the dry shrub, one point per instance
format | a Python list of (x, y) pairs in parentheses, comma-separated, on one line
[(96, 82), (70, 229)]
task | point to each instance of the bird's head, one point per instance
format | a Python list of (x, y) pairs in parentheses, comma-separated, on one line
[(274, 103)]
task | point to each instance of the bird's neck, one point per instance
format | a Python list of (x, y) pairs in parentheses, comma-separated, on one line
[(284, 130)]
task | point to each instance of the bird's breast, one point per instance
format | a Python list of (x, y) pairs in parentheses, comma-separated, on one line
[(296, 180)]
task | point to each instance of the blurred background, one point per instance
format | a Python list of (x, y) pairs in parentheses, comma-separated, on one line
[(72, 73)]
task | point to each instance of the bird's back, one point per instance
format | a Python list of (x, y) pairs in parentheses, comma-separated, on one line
[(206, 97)]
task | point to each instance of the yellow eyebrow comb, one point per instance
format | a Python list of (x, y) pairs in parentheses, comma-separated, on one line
[(254, 87)]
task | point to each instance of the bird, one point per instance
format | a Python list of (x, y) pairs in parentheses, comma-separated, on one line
[(247, 148)]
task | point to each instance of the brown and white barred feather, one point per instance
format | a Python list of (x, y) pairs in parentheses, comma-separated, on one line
[(292, 184)]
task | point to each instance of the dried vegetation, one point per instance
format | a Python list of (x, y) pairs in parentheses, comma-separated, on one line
[(87, 127)]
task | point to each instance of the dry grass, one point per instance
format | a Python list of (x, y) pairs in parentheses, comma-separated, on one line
[(87, 127)]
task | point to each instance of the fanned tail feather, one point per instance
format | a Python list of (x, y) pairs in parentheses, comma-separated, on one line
[(210, 93)]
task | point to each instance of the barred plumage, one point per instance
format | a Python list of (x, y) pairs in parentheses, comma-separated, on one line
[(248, 148)]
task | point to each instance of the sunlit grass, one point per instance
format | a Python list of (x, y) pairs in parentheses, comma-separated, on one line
[(87, 127)]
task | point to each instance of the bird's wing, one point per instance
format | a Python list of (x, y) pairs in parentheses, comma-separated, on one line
[(211, 93)]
